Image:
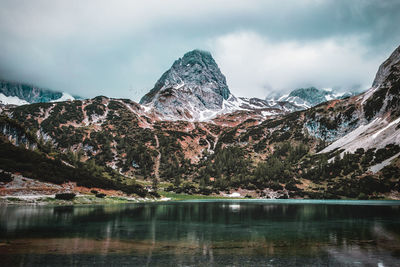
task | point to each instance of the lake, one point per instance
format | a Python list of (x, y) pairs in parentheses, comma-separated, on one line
[(203, 233)]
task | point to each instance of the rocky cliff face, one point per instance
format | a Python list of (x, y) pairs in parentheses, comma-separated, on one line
[(384, 96), (386, 68), (192, 88)]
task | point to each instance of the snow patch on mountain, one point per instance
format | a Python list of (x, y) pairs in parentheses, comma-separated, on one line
[(376, 134), (11, 100), (65, 97), (376, 168), (30, 93), (305, 98)]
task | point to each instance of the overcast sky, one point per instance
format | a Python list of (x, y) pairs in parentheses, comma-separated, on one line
[(120, 48)]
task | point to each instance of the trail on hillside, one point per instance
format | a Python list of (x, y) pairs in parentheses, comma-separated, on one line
[(158, 160)]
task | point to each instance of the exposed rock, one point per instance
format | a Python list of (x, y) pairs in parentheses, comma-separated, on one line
[(385, 69), (192, 85)]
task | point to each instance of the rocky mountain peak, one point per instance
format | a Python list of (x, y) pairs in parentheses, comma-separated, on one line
[(384, 96), (193, 82), (386, 68)]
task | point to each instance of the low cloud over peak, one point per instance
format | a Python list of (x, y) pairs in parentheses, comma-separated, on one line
[(256, 65)]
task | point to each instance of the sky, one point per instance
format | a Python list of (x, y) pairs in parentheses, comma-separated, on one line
[(120, 48)]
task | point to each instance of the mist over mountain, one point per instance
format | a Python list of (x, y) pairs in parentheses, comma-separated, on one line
[(309, 97), (17, 93)]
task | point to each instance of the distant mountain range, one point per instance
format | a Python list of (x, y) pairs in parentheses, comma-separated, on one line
[(15, 93), (311, 96), (194, 89), (193, 133)]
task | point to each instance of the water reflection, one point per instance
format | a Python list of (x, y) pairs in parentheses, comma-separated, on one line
[(200, 233)]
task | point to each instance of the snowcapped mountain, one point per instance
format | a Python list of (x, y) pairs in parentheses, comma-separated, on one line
[(14, 93), (194, 89), (305, 98)]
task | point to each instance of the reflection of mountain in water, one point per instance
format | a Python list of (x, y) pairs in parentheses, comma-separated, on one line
[(209, 231)]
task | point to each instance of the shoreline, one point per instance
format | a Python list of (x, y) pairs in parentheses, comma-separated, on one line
[(86, 199), (80, 199), (27, 191)]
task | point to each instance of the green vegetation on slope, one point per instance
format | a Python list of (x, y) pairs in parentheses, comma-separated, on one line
[(37, 165)]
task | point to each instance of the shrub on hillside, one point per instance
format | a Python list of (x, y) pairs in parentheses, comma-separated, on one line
[(65, 196), (5, 177)]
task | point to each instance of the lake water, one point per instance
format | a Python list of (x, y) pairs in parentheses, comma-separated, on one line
[(203, 233)]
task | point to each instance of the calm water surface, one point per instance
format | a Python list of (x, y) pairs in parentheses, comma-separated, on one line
[(203, 233)]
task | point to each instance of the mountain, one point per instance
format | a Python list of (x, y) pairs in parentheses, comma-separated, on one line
[(378, 111), (343, 148), (15, 93), (305, 98), (193, 88)]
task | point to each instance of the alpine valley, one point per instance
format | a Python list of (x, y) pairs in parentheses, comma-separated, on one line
[(190, 134)]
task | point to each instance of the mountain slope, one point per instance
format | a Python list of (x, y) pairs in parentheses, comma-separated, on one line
[(22, 152), (275, 155), (380, 111)]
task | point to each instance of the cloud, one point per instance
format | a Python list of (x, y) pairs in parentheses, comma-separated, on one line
[(256, 66), (120, 48)]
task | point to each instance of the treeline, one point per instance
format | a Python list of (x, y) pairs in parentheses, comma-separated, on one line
[(347, 174), (37, 165), (227, 168), (332, 175), (232, 167)]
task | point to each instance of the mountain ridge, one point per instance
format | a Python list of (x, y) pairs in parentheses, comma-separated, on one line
[(284, 152), (308, 97), (194, 89)]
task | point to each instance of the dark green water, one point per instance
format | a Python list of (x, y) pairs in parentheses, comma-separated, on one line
[(214, 233)]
